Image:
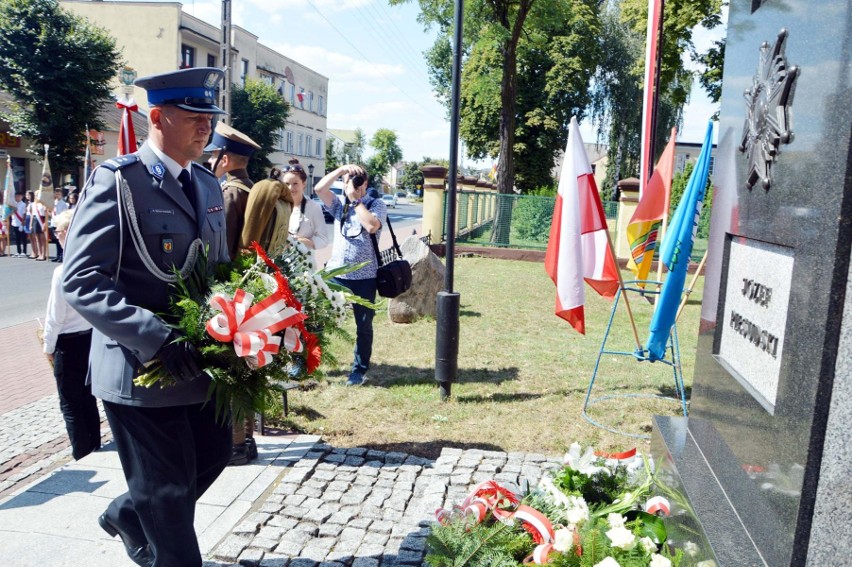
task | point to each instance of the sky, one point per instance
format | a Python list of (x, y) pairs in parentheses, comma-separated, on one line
[(372, 54)]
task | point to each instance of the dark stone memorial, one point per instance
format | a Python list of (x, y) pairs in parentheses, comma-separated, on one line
[(760, 470)]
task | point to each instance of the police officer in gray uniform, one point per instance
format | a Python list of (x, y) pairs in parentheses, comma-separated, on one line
[(141, 216)]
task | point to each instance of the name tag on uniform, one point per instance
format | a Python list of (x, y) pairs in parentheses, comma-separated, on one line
[(161, 211), (167, 245), (215, 209)]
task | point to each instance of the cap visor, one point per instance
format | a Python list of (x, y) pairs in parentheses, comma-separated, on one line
[(212, 109), (212, 148)]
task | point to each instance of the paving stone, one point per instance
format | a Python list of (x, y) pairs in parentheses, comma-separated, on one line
[(357, 451), (296, 512), (331, 564), (314, 553), (374, 512), (352, 534), (300, 537), (361, 523), (307, 528), (343, 558), (330, 530), (289, 548), (303, 562), (409, 557), (376, 538), (335, 458), (295, 500), (370, 550), (535, 458), (414, 543), (340, 518), (338, 485), (274, 560), (247, 527), (323, 474), (332, 496), (312, 503), (365, 562), (263, 544), (271, 507), (282, 522), (251, 557), (353, 461), (382, 527), (318, 515), (231, 547), (309, 492), (270, 532), (286, 489)]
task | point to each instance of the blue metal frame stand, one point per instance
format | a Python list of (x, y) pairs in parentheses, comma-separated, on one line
[(672, 349)]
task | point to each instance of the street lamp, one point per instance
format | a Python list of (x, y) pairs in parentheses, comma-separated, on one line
[(311, 177)]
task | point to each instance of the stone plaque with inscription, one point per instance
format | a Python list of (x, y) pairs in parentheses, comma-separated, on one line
[(761, 466)]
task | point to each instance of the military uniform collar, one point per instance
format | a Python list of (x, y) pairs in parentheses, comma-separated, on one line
[(172, 166)]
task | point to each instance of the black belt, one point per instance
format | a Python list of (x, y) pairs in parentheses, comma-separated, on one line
[(72, 335)]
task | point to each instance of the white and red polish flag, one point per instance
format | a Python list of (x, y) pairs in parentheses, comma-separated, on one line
[(126, 135), (578, 248)]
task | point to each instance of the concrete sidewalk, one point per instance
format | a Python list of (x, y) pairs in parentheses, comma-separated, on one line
[(53, 521)]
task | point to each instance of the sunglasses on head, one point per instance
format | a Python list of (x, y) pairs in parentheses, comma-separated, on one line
[(292, 168)]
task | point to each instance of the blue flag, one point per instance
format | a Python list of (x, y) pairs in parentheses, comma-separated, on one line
[(676, 249)]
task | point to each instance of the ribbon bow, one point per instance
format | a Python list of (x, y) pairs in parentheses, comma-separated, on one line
[(253, 328)]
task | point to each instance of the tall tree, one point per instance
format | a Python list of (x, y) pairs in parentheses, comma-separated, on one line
[(58, 68), (258, 111), (388, 152), (357, 147), (332, 156), (525, 73)]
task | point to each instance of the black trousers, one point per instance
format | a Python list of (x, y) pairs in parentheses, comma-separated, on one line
[(20, 240), (170, 457), (79, 407)]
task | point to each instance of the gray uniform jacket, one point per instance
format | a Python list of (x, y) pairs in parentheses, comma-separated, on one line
[(124, 313)]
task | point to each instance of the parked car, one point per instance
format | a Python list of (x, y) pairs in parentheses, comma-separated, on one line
[(326, 215), (390, 200)]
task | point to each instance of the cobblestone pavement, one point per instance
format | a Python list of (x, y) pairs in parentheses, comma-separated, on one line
[(33, 442), (361, 508)]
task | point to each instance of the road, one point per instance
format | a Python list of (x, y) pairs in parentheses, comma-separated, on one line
[(25, 283)]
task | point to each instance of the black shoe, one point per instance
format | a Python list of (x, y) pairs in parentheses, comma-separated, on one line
[(239, 456), (251, 448), (139, 554)]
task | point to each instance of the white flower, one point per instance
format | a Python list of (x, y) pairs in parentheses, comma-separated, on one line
[(585, 463), (578, 510), (691, 548), (563, 540), (658, 560), (621, 538), (648, 545), (615, 520), (706, 563), (608, 562)]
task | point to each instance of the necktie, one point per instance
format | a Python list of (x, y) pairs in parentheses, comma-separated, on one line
[(186, 184)]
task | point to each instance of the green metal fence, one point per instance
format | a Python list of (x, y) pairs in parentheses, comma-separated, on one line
[(524, 221)]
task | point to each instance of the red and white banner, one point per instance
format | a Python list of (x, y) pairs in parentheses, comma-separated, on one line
[(578, 248), (126, 135), (649, 108)]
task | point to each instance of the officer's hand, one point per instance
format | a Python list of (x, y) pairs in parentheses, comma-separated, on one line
[(180, 358)]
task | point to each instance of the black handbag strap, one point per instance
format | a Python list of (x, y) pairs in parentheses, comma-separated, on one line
[(376, 243)]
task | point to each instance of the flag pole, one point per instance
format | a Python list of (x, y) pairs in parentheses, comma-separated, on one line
[(624, 293), (658, 248), (688, 290)]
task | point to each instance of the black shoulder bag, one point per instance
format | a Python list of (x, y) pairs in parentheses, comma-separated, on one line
[(392, 278)]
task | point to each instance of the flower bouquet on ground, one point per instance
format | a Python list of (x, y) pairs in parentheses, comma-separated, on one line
[(596, 511), (257, 323)]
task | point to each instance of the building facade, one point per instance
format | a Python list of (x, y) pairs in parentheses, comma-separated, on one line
[(160, 37)]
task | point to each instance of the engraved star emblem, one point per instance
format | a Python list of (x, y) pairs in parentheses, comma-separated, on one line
[(768, 121)]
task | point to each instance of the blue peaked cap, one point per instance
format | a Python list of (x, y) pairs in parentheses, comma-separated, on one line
[(193, 89)]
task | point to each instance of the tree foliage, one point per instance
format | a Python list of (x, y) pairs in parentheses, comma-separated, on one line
[(332, 159), (58, 68), (258, 111), (356, 149), (411, 178), (525, 73), (388, 152)]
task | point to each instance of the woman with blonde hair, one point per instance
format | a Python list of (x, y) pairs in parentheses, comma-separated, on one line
[(268, 215)]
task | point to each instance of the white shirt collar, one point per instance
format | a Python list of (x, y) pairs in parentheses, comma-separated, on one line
[(171, 165)]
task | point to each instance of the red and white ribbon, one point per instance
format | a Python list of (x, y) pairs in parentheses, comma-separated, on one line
[(658, 505), (253, 328)]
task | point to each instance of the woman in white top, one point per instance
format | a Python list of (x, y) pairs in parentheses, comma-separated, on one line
[(67, 339), (307, 223)]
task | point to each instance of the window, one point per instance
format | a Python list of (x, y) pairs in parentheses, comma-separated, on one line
[(680, 162), (300, 150), (311, 101), (319, 148), (267, 79), (288, 146), (712, 165), (211, 60), (301, 97), (187, 56), (321, 106), (292, 94), (244, 64), (282, 140), (309, 145)]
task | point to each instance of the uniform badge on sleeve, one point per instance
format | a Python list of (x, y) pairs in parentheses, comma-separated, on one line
[(158, 170), (168, 245)]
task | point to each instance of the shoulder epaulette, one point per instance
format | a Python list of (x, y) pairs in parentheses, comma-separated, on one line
[(116, 163), (199, 168)]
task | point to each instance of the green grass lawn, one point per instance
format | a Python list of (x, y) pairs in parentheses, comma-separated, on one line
[(523, 374)]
